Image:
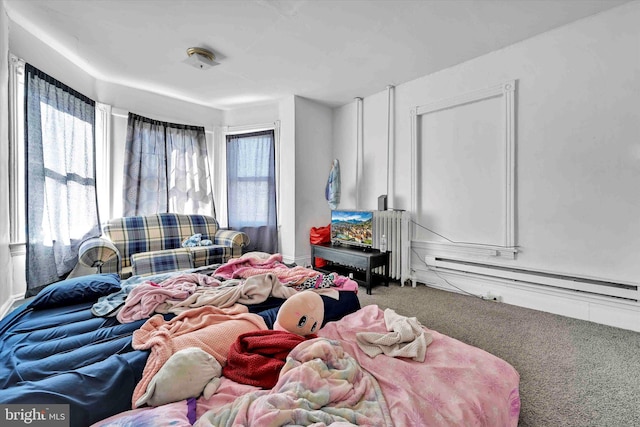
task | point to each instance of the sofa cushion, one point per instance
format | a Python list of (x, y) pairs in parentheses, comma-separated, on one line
[(213, 254), (153, 262)]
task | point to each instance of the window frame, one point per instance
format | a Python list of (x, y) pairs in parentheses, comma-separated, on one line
[(221, 165)]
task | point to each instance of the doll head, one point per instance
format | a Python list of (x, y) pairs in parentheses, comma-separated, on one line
[(301, 314)]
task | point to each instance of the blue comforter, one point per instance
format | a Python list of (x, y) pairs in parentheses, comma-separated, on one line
[(54, 350)]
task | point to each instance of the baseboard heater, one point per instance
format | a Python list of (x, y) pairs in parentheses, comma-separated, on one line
[(580, 284)]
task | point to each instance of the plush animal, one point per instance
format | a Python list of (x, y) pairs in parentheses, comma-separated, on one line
[(301, 314), (196, 240), (190, 372), (192, 241)]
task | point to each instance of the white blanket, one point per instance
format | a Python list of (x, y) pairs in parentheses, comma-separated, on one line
[(406, 338)]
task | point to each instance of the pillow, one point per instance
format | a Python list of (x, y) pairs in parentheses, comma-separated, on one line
[(76, 290)]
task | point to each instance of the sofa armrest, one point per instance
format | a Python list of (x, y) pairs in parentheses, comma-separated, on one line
[(100, 253), (236, 239)]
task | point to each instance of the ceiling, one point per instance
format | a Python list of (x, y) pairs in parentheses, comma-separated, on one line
[(330, 51)]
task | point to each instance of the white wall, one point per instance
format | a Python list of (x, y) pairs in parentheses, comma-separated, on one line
[(250, 116), (577, 143), (287, 196), (34, 51), (6, 267), (314, 123), (345, 149)]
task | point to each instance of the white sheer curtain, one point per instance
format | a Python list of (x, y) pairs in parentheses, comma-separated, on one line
[(166, 169), (251, 188), (60, 177), (189, 185)]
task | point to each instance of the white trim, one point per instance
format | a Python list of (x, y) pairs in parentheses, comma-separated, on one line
[(13, 300), (103, 160), (218, 155), (18, 249), (16, 78), (359, 147), (235, 130), (605, 310), (506, 91)]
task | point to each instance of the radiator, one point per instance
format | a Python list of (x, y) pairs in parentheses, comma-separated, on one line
[(395, 226)]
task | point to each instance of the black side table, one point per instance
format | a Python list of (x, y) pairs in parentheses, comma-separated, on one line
[(353, 259)]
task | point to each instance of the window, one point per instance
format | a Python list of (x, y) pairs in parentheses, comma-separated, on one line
[(52, 171), (251, 188), (60, 175), (17, 160)]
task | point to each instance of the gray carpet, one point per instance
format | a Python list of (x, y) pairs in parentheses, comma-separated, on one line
[(572, 372)]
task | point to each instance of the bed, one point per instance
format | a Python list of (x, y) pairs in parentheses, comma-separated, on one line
[(83, 343)]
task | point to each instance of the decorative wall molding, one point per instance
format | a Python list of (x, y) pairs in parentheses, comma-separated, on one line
[(506, 92), (465, 251)]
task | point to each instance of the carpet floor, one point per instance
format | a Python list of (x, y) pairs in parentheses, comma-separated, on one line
[(573, 373)]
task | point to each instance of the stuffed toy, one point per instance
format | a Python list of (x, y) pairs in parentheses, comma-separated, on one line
[(190, 372), (301, 314), (192, 241), (196, 240)]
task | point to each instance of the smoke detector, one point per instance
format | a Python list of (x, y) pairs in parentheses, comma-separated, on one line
[(201, 58)]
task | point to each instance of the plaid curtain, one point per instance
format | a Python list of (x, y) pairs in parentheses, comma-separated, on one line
[(166, 169), (60, 177)]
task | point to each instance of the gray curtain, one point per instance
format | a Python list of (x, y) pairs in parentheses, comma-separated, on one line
[(60, 177), (251, 188), (166, 169)]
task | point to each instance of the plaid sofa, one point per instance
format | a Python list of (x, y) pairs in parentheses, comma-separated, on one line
[(142, 245)]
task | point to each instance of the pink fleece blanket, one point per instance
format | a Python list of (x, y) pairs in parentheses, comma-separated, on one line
[(143, 299), (251, 265), (456, 385), (210, 328), (247, 266)]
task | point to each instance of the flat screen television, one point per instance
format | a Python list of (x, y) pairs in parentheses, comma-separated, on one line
[(353, 228)]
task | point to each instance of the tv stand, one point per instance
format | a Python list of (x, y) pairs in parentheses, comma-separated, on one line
[(354, 260)]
